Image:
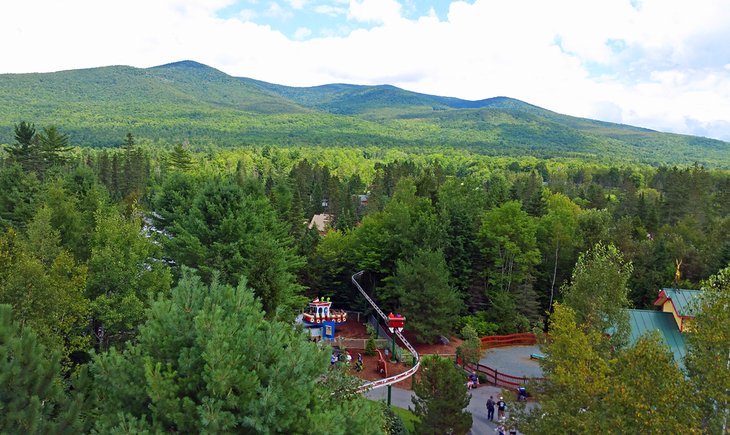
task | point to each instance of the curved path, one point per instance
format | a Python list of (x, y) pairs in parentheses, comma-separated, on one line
[(401, 376)]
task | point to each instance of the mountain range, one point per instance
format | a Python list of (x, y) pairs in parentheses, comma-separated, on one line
[(194, 102)]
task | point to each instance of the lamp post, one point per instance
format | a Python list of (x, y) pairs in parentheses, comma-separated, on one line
[(395, 323)]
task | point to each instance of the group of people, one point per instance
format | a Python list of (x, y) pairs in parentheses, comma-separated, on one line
[(347, 359), (500, 405)]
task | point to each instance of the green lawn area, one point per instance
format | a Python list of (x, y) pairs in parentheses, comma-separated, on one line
[(409, 419)]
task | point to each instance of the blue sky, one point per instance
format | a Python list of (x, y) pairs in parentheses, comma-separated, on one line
[(307, 19), (660, 64)]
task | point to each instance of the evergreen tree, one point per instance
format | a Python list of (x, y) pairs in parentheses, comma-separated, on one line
[(429, 303), (18, 196), (54, 146), (32, 396), (234, 230), (207, 360), (25, 150), (180, 158), (441, 398)]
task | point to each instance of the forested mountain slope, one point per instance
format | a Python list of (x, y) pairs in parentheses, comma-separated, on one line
[(190, 101)]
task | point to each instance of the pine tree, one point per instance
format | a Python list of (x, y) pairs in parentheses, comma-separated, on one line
[(208, 361), (427, 300), (441, 398), (25, 150), (180, 158), (32, 396), (54, 146)]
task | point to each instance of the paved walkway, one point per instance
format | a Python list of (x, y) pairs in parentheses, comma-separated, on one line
[(513, 360), (477, 405)]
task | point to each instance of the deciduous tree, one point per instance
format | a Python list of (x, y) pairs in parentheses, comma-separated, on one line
[(708, 359)]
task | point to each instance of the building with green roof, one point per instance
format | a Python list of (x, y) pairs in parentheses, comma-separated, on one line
[(673, 319), (645, 321), (679, 302)]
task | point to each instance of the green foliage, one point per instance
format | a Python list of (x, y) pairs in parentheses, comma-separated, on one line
[(709, 352), (441, 398), (428, 301), (598, 292), (32, 395), (45, 285), (191, 101), (370, 347), (470, 351), (637, 389), (18, 194), (123, 275), (207, 360), (234, 230), (394, 424), (478, 321)]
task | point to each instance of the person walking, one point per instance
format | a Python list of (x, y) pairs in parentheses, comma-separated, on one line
[(501, 407), (490, 408)]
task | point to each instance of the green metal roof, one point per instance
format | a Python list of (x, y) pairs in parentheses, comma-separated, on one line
[(682, 299), (643, 321)]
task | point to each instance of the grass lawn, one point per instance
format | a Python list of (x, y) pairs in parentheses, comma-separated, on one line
[(409, 419)]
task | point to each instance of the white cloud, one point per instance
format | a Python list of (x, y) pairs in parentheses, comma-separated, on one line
[(330, 10), (247, 14), (275, 10), (302, 33), (378, 11), (297, 4), (663, 65)]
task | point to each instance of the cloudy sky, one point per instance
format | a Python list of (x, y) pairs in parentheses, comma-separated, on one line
[(661, 64)]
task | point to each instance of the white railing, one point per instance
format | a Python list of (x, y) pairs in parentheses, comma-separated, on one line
[(401, 376)]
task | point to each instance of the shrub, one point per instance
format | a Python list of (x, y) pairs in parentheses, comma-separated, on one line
[(480, 324), (370, 347)]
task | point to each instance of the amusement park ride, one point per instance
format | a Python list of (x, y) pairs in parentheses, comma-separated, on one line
[(321, 319)]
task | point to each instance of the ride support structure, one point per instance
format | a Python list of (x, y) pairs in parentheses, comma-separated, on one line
[(401, 376)]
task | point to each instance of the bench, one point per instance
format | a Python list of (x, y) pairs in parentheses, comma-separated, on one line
[(536, 356)]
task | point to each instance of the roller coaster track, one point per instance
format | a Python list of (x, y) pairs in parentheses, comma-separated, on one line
[(401, 376)]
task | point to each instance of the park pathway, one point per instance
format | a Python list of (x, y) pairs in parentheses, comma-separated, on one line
[(477, 405)]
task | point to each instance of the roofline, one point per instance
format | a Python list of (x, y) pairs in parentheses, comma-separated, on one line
[(661, 292), (676, 312)]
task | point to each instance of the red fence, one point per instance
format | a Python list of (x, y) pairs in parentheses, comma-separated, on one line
[(508, 340), (502, 379)]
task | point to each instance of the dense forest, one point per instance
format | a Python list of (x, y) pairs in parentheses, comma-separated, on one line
[(190, 101), (152, 288)]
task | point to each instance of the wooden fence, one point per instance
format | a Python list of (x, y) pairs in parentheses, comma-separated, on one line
[(500, 379), (526, 338)]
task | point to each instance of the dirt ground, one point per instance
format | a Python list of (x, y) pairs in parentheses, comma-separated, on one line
[(353, 329)]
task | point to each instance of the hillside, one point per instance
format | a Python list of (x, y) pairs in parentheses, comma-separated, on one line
[(188, 100)]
